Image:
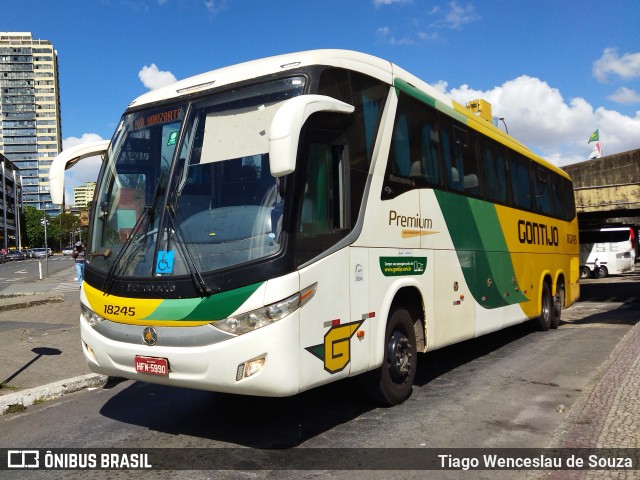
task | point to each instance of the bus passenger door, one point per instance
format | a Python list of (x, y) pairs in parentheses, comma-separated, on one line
[(328, 331)]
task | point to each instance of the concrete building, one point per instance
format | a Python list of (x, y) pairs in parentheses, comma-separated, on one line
[(30, 125), (10, 191), (607, 189), (83, 195)]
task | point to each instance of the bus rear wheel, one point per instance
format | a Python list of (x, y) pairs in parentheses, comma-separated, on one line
[(558, 303), (547, 309), (392, 383)]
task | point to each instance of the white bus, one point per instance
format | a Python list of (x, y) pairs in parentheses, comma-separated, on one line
[(280, 224), (614, 248)]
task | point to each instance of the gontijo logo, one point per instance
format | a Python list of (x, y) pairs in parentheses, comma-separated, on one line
[(533, 233)]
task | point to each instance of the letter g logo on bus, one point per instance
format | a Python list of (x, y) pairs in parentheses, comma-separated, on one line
[(336, 349)]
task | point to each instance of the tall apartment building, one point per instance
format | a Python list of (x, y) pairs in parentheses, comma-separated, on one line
[(83, 195), (30, 126), (9, 201)]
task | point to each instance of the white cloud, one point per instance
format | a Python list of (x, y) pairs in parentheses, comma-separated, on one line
[(84, 171), (152, 77), (454, 16), (626, 66), (215, 6), (377, 3), (428, 36), (558, 129), (625, 96), (384, 33)]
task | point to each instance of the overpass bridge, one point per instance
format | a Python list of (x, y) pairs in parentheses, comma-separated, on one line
[(607, 189)]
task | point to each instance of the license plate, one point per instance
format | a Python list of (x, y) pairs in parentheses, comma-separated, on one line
[(151, 365)]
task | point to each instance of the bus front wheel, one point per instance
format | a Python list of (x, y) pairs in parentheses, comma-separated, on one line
[(392, 383)]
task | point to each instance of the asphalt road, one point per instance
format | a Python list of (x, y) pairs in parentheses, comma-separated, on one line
[(508, 389), (24, 271)]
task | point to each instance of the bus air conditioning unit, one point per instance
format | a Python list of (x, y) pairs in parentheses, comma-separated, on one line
[(481, 108)]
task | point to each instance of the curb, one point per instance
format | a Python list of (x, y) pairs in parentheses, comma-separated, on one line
[(29, 303), (24, 398)]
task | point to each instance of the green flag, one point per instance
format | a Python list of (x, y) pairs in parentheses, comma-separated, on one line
[(595, 136)]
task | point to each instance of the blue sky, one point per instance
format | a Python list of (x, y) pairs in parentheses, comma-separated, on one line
[(556, 70)]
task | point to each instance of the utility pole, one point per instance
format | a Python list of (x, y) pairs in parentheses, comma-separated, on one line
[(46, 247)]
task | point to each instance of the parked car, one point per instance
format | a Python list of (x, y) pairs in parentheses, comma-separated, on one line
[(15, 255), (39, 252), (67, 250), (28, 253)]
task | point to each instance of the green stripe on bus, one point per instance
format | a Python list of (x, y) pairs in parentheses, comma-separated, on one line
[(215, 307), (409, 89), (482, 250)]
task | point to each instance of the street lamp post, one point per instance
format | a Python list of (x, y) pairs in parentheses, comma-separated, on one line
[(46, 247), (505, 125)]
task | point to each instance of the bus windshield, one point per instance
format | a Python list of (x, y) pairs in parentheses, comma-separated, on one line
[(186, 188)]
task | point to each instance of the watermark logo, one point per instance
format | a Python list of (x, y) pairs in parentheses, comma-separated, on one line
[(23, 459)]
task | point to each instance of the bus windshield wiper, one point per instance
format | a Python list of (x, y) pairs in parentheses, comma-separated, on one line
[(111, 274), (196, 276), (144, 215)]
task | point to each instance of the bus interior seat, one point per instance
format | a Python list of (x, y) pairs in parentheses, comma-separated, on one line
[(306, 219), (415, 170), (189, 205), (227, 224), (471, 184)]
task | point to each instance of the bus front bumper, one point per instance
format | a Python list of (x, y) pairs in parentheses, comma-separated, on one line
[(271, 353)]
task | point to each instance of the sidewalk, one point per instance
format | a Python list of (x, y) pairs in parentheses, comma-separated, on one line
[(40, 354)]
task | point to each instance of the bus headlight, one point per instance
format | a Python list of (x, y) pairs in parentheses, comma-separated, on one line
[(250, 321), (90, 316)]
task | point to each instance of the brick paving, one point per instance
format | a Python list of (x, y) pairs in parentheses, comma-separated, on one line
[(608, 415)]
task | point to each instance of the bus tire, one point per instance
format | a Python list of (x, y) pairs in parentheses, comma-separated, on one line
[(558, 303), (602, 271), (544, 321), (392, 383)]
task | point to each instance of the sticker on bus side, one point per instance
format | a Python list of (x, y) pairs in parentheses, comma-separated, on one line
[(395, 266)]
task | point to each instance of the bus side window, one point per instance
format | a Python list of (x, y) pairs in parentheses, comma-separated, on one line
[(461, 161), (495, 171), (318, 215), (542, 190), (557, 197), (324, 212), (368, 96), (400, 145), (414, 156), (520, 182), (569, 199), (431, 153)]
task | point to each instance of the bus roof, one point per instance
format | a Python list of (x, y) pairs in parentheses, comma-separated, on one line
[(348, 59)]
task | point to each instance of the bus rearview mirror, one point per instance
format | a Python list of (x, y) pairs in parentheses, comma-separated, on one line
[(287, 124), (68, 158)]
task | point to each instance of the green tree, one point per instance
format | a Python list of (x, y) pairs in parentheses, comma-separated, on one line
[(34, 229), (69, 224)]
